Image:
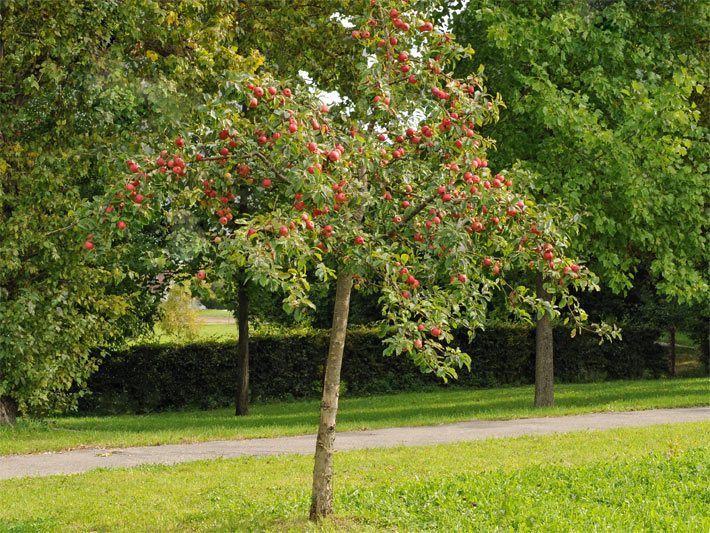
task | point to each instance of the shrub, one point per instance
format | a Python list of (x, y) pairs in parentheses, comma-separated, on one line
[(290, 365), (179, 318)]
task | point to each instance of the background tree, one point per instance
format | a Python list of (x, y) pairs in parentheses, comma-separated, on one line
[(392, 191), (603, 108), (80, 83), (178, 317), (303, 36)]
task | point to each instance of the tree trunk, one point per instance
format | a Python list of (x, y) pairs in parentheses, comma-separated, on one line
[(242, 397), (672, 366), (705, 346), (8, 411), (322, 497), (242, 403), (544, 366)]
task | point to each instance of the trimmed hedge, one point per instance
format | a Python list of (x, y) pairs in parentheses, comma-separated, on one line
[(157, 377)]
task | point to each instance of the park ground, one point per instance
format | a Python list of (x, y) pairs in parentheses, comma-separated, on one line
[(652, 479), (275, 419)]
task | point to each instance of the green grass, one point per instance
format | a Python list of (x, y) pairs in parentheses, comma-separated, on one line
[(218, 331), (216, 313), (294, 418), (681, 338), (650, 479)]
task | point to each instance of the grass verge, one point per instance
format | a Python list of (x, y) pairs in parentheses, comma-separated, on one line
[(294, 418), (652, 478)]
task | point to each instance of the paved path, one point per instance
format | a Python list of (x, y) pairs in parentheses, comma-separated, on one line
[(76, 461)]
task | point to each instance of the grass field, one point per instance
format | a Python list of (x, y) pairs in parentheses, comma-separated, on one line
[(641, 479), (293, 418), (216, 313)]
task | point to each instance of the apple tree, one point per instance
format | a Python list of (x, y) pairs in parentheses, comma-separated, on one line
[(393, 189)]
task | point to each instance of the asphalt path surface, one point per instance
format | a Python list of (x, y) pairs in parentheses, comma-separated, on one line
[(82, 460)]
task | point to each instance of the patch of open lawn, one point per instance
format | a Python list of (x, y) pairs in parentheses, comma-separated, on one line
[(216, 313), (654, 478), (298, 418)]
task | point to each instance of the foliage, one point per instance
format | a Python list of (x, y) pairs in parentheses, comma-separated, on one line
[(606, 103), (298, 36), (290, 365), (178, 317), (626, 479), (82, 82)]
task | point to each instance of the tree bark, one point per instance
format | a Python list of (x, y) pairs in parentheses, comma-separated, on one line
[(672, 365), (705, 345), (8, 411), (242, 398), (544, 352), (322, 497), (242, 395)]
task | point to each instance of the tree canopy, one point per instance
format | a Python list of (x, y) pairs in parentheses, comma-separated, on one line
[(81, 83), (605, 105)]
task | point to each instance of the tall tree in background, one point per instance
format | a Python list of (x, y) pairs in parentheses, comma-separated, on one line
[(605, 104), (80, 83)]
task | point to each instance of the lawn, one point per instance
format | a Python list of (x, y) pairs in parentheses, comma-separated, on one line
[(216, 313), (293, 418), (651, 479)]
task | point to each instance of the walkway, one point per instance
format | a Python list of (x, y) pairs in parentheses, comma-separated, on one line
[(76, 461)]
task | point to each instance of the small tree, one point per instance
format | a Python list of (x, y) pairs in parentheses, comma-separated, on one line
[(178, 318), (392, 190)]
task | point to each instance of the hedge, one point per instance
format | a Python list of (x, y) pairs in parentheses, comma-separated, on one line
[(285, 366)]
